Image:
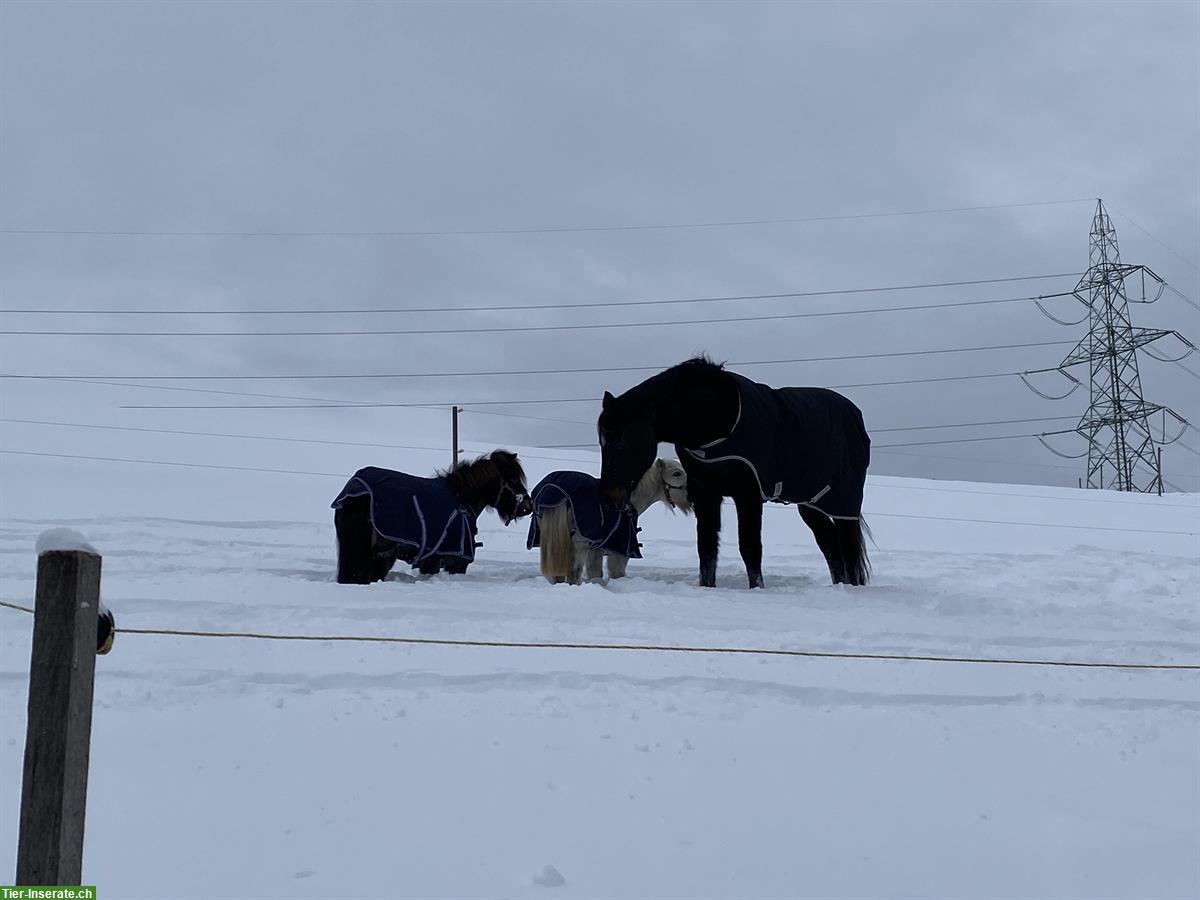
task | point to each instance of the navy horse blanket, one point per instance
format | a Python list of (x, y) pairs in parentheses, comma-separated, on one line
[(602, 525), (419, 513), (804, 445)]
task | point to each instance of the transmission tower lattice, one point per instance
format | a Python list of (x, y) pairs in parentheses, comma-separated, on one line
[(1122, 449)]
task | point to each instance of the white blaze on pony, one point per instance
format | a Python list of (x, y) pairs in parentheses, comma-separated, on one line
[(576, 530)]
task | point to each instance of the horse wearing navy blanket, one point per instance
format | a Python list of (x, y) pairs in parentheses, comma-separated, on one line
[(430, 523), (741, 439), (577, 530)]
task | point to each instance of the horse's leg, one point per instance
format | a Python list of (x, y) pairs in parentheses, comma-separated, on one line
[(617, 565), (749, 516), (354, 534), (825, 532), (456, 565), (430, 565), (852, 550), (708, 535)]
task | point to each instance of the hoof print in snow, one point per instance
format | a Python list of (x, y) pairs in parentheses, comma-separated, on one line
[(549, 877)]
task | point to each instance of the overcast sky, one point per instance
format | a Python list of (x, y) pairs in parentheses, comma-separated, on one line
[(361, 118)]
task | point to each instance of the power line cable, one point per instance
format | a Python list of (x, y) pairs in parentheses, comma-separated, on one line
[(260, 437), (552, 306), (119, 381), (332, 403), (1152, 237), (1030, 524), (158, 462), (242, 437), (1074, 497), (1182, 296), (556, 229), (251, 437), (511, 329), (874, 446), (508, 415), (973, 424), (318, 402), (582, 370), (1188, 448), (1194, 374), (994, 461), (998, 437)]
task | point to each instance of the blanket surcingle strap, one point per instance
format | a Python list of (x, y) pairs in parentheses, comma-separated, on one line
[(804, 445), (602, 525), (420, 513)]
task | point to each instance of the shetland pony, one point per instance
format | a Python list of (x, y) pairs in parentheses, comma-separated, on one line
[(382, 515), (576, 531)]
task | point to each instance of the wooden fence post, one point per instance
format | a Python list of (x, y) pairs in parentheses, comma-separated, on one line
[(59, 728), (454, 451)]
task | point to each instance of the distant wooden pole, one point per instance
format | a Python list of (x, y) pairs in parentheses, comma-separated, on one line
[(454, 411), (59, 727)]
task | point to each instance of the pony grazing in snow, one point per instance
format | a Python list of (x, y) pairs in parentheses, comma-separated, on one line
[(577, 530), (741, 439), (430, 523)]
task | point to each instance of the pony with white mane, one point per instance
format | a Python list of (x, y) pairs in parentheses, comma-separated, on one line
[(577, 530)]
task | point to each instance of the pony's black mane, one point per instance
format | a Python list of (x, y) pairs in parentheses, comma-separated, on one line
[(479, 481)]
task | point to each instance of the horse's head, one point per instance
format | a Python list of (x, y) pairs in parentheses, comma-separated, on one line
[(628, 444), (512, 499)]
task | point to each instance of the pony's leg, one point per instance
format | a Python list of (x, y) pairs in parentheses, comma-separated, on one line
[(594, 565), (708, 535), (354, 535), (382, 560), (749, 516), (617, 565), (825, 532), (431, 565), (578, 556), (852, 550)]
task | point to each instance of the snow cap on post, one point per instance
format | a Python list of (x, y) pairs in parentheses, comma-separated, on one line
[(63, 539), (68, 540)]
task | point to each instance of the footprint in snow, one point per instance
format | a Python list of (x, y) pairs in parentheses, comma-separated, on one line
[(549, 877)]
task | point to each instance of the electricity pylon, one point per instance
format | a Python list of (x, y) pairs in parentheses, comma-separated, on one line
[(1122, 450)]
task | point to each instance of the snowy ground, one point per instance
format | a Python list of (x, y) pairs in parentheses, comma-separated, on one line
[(242, 768)]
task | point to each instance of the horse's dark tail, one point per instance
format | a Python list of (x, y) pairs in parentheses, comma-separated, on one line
[(352, 521), (853, 535)]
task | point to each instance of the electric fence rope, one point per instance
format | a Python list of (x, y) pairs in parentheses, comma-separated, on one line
[(659, 648)]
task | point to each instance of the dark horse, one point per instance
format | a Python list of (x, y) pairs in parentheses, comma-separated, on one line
[(737, 438), (429, 523)]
